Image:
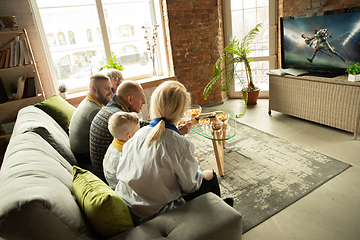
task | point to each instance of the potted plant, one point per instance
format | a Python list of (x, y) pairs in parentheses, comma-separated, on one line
[(113, 64), (224, 71), (62, 90), (354, 72)]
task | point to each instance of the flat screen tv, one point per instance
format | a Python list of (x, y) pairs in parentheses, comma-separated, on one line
[(323, 43)]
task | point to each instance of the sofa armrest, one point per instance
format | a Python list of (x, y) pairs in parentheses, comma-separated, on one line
[(206, 217)]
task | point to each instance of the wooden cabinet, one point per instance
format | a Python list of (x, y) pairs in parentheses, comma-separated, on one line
[(10, 108), (333, 102)]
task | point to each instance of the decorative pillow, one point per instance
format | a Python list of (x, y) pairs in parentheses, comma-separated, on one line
[(59, 109), (57, 143), (105, 209)]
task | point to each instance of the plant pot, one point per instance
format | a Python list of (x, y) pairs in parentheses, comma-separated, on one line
[(63, 95), (252, 96), (354, 78)]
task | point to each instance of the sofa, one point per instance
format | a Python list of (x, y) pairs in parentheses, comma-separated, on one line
[(38, 199)]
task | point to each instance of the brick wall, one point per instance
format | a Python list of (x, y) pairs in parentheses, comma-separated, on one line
[(196, 39), (297, 7)]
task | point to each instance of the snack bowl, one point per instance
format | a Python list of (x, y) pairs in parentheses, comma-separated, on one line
[(223, 117), (204, 122), (195, 110), (216, 126)]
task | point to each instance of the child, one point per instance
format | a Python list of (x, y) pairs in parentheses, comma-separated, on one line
[(122, 126)]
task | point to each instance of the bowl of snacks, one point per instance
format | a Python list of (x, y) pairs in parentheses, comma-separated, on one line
[(216, 126), (222, 117), (204, 122), (195, 110)]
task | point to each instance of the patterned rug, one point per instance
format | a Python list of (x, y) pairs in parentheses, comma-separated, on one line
[(265, 174)]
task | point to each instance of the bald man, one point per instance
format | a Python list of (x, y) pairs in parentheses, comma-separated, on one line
[(129, 97)]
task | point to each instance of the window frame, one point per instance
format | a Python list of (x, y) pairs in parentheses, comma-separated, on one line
[(163, 69), (228, 36)]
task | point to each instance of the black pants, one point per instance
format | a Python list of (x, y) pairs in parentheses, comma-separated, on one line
[(206, 186)]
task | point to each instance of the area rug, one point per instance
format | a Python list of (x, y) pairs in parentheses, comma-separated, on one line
[(265, 174)]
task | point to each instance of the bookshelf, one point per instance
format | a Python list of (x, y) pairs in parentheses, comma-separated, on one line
[(10, 108)]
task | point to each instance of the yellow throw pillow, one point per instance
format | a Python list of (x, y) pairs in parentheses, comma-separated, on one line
[(105, 209), (59, 109)]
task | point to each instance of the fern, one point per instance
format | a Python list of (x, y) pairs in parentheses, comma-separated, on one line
[(224, 73)]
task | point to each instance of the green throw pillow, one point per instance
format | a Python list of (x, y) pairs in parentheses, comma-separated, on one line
[(105, 209), (59, 109)]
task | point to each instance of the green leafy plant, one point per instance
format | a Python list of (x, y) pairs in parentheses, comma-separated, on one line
[(113, 64), (224, 71), (62, 88), (12, 88), (353, 69)]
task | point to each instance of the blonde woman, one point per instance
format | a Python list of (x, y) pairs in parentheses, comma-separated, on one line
[(158, 165)]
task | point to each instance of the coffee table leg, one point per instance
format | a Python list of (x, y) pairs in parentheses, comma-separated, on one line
[(219, 153), (224, 126)]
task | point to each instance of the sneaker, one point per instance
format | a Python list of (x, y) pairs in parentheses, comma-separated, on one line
[(310, 60), (229, 201)]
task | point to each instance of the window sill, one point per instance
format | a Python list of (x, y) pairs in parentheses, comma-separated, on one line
[(75, 98)]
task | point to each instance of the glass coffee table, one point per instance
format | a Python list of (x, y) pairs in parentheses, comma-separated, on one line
[(218, 137)]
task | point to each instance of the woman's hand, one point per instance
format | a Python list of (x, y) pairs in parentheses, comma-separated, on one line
[(184, 128), (208, 174)]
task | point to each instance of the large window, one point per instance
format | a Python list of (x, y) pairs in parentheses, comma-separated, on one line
[(92, 22), (242, 17)]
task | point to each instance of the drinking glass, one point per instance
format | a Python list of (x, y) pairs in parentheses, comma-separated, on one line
[(185, 120)]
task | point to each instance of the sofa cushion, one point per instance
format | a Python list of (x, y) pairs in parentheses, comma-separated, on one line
[(36, 179), (105, 209), (32, 119), (58, 109), (205, 217)]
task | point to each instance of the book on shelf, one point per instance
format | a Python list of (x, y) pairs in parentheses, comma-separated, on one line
[(20, 87), (16, 52), (27, 53), (29, 88), (7, 58), (2, 58), (22, 53), (12, 54)]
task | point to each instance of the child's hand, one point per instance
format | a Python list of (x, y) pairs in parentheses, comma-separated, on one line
[(208, 175), (184, 128), (197, 156)]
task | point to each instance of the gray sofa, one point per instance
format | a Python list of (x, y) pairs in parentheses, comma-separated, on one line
[(37, 199)]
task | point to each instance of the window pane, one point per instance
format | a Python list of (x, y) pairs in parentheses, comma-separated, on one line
[(128, 42), (76, 50), (244, 18), (236, 4), (259, 70)]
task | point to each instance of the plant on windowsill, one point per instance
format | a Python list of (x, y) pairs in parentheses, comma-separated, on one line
[(62, 90), (224, 71), (354, 72), (151, 42), (113, 64)]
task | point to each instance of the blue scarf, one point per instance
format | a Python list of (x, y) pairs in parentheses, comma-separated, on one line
[(168, 124)]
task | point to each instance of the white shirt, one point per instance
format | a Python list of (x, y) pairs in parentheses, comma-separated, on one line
[(110, 163), (153, 177)]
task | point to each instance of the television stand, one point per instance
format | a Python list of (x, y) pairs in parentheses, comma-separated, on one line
[(333, 102)]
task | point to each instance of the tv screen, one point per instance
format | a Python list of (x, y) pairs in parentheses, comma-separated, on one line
[(324, 42)]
